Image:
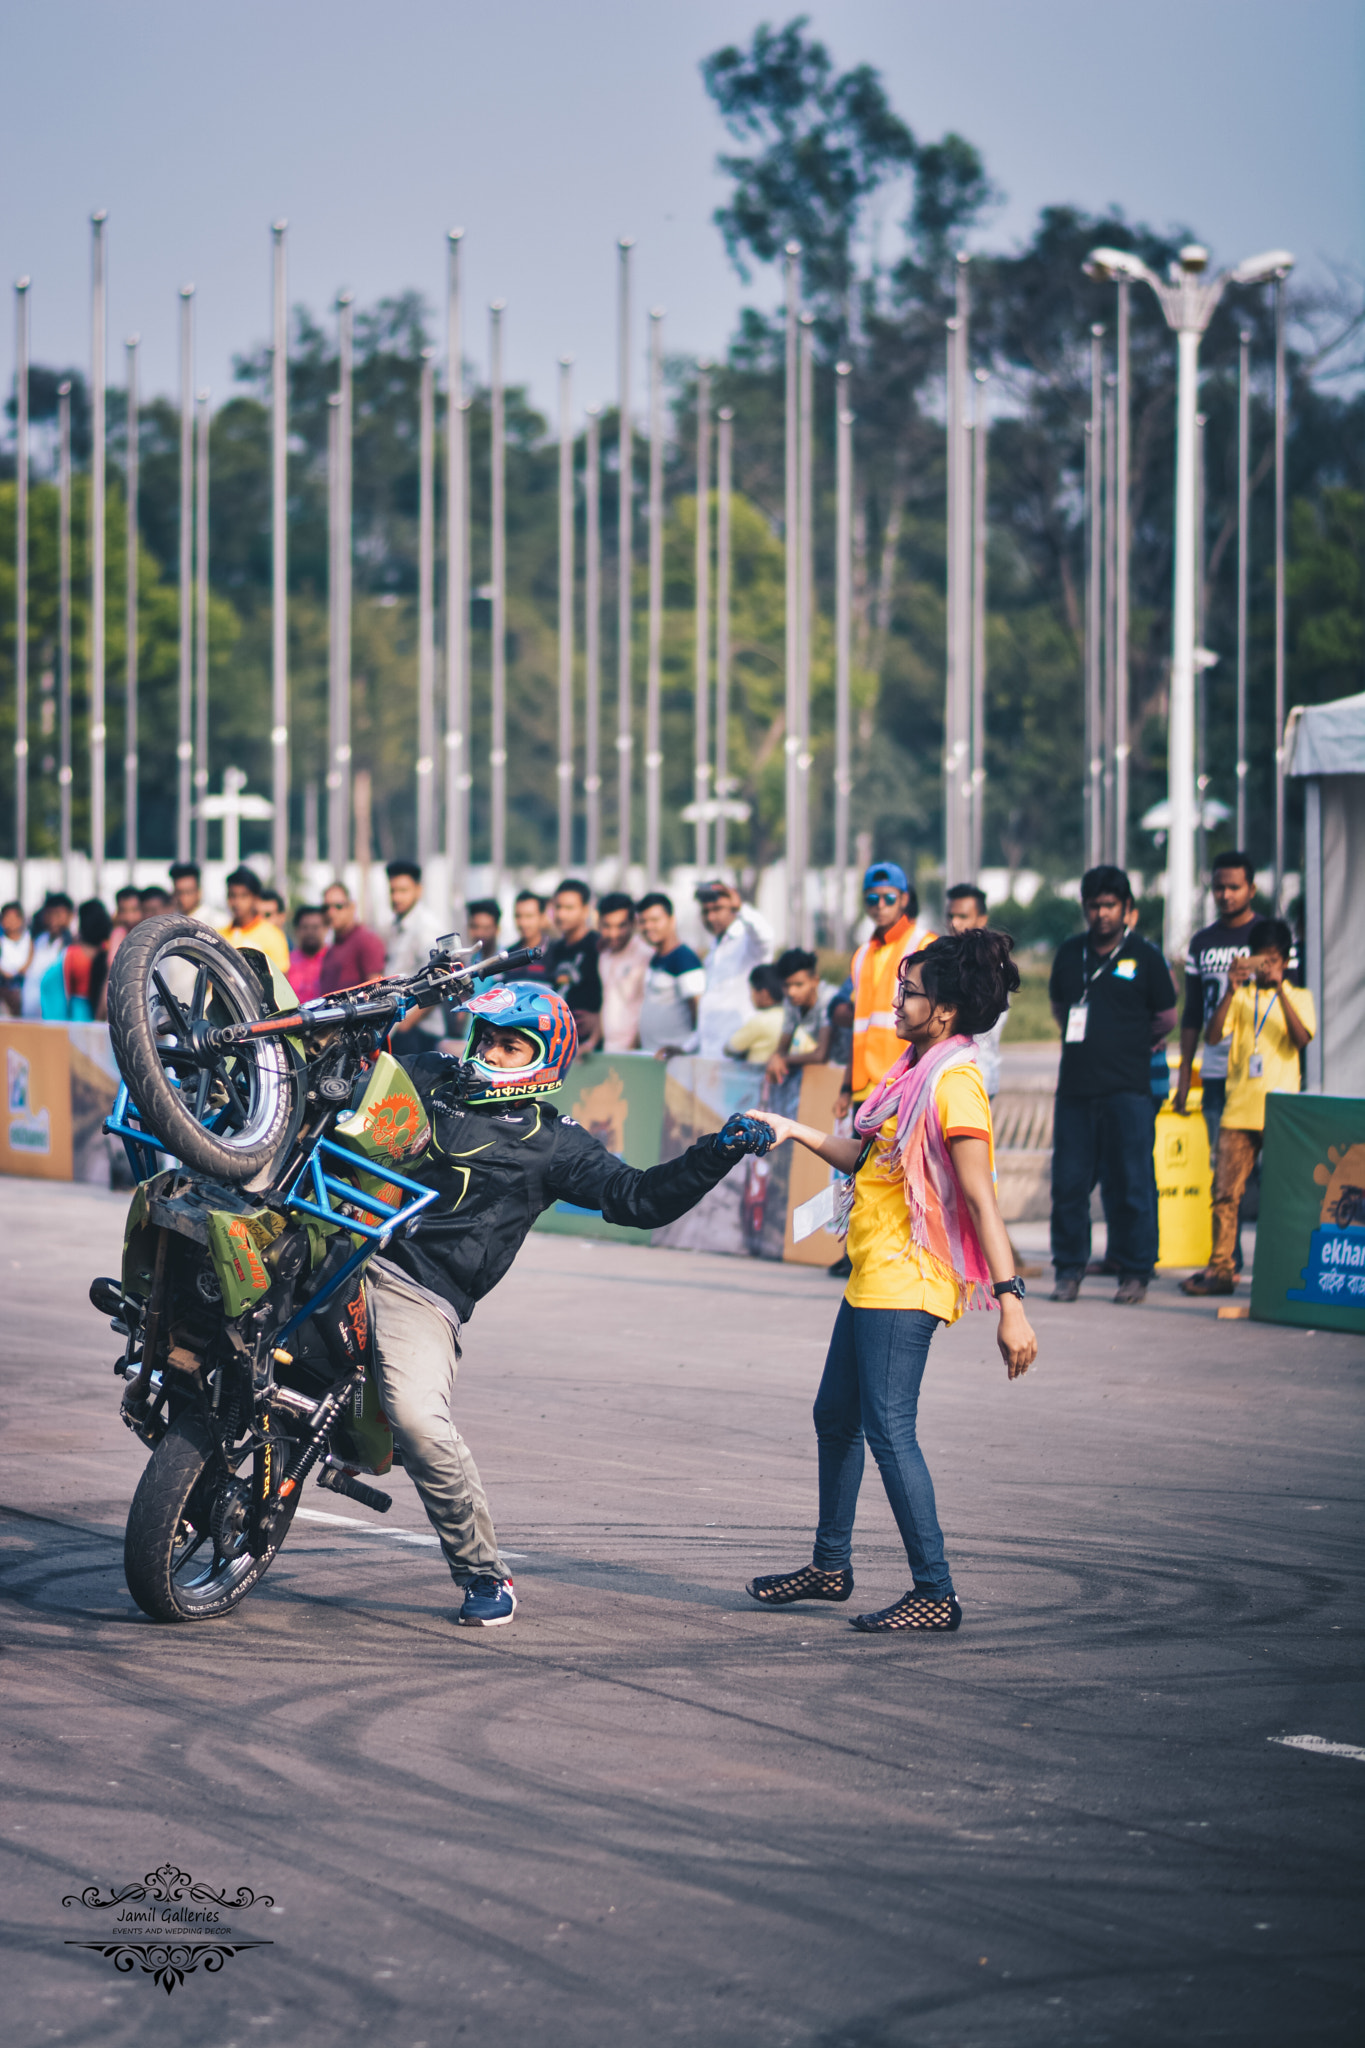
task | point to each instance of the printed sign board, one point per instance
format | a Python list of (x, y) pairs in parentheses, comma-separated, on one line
[(1310, 1239)]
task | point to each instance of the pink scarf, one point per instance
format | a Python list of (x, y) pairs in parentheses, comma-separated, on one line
[(940, 1222)]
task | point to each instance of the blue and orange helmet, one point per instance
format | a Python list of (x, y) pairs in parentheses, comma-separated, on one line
[(538, 1013)]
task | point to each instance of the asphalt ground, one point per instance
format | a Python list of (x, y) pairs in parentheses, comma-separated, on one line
[(649, 1812)]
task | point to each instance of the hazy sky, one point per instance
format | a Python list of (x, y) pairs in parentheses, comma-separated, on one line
[(546, 128)]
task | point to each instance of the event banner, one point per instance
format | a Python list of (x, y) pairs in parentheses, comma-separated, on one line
[(60, 1084), (1310, 1239)]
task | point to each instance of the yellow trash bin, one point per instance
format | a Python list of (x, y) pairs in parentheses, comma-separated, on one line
[(1184, 1189)]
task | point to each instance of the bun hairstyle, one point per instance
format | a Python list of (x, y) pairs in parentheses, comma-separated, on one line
[(970, 972)]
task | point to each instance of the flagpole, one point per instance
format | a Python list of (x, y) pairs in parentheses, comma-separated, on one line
[(654, 758), (843, 637), (184, 751), (724, 462), (592, 643), (346, 308), (201, 605), (279, 563), (98, 352), (21, 322), (130, 616), (64, 628), (564, 766), (497, 755), (625, 506), (1121, 551), (978, 753), (426, 613), (792, 547), (806, 454), (457, 778), (336, 852), (701, 708)]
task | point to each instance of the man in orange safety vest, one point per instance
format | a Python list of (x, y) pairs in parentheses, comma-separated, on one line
[(897, 931)]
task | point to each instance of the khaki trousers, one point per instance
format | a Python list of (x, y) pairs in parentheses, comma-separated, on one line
[(1238, 1152), (418, 1359)]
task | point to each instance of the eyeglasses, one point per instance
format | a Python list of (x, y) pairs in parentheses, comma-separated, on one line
[(907, 991), (872, 897)]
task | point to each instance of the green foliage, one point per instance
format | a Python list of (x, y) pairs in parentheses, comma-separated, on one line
[(1326, 591)]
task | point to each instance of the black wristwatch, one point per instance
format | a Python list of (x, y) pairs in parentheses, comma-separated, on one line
[(1014, 1286)]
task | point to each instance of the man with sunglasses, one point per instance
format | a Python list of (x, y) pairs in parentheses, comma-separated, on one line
[(898, 931), (889, 899)]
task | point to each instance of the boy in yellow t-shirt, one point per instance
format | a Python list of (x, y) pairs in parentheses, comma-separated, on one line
[(755, 1042), (1268, 1025)]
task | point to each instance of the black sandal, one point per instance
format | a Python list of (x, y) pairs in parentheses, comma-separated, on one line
[(780, 1589), (912, 1610)]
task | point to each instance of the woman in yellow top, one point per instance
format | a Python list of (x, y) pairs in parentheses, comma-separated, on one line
[(925, 1236)]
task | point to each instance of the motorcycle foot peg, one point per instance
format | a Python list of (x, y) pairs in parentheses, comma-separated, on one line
[(337, 1479)]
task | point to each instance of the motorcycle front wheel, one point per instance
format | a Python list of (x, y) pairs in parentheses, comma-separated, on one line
[(185, 1553), (224, 1112)]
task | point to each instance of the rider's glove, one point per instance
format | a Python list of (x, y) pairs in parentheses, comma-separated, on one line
[(741, 1134)]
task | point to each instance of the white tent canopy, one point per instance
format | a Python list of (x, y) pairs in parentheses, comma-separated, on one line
[(1325, 747)]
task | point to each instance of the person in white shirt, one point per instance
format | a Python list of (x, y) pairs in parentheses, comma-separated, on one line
[(16, 955), (407, 947), (742, 941), (188, 895), (623, 960), (673, 984)]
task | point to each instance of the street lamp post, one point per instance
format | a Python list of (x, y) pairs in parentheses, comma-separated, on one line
[(1188, 301), (1280, 275), (1094, 596), (1121, 400), (977, 832)]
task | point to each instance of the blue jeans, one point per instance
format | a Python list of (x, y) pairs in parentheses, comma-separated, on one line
[(1104, 1138), (870, 1388)]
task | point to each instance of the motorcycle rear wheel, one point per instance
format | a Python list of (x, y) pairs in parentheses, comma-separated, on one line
[(175, 1565), (224, 1113)]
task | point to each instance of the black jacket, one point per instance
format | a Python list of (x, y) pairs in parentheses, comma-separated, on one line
[(496, 1170)]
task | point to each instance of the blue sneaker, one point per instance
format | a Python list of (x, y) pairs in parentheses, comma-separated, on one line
[(489, 1602)]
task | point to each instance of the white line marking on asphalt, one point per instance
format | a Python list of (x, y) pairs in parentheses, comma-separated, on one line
[(394, 1535), (1320, 1746)]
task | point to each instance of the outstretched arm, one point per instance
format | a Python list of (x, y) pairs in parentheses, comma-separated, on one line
[(585, 1173)]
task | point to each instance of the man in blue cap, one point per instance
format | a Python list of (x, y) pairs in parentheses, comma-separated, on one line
[(889, 899)]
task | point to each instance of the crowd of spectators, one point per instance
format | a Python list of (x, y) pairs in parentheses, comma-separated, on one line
[(634, 985)]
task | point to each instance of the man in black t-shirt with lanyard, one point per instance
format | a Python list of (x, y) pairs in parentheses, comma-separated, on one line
[(1113, 999)]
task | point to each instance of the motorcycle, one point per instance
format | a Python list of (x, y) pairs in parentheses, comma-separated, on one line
[(266, 1138)]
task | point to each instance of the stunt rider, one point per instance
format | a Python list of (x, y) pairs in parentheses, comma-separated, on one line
[(500, 1155)]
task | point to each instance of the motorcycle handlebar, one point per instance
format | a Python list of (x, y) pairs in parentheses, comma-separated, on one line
[(372, 1011)]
